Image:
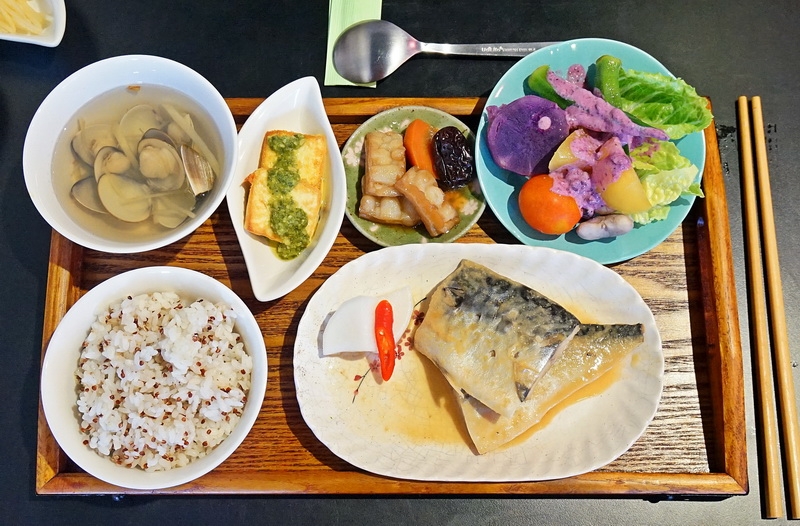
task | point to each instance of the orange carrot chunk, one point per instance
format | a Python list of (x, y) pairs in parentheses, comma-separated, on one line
[(418, 141)]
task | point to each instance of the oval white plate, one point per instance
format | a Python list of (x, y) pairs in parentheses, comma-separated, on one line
[(371, 430), (295, 107), (59, 383), (52, 34)]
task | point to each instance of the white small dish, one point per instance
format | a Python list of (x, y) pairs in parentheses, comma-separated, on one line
[(59, 382), (53, 33), (295, 107)]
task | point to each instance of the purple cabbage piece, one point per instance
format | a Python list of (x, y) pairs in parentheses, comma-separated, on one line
[(594, 113), (523, 134)]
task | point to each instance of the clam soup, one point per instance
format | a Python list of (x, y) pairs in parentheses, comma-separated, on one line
[(136, 162)]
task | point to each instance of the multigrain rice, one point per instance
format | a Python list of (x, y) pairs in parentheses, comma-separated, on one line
[(161, 381)]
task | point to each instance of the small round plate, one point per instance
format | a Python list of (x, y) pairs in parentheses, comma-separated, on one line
[(502, 187), (468, 200)]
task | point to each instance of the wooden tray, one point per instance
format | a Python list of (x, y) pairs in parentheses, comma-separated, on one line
[(694, 446)]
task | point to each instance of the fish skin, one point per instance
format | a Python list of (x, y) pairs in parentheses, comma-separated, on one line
[(594, 351), (491, 336)]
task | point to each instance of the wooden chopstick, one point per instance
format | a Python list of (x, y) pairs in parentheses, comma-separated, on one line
[(768, 419), (789, 425)]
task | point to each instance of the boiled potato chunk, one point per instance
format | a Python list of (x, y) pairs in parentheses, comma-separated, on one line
[(626, 194), (565, 154)]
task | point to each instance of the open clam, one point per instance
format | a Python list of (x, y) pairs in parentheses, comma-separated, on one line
[(198, 170), (124, 198), (91, 139), (138, 120), (85, 193), (160, 164), (110, 159)]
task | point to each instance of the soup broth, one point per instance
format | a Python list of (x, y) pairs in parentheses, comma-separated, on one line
[(109, 108)]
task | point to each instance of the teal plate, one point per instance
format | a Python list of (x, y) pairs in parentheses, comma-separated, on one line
[(468, 200), (501, 187)]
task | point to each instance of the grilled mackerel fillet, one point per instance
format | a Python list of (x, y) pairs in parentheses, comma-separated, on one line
[(594, 351), (492, 337)]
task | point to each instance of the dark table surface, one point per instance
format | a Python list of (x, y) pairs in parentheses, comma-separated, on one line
[(725, 48)]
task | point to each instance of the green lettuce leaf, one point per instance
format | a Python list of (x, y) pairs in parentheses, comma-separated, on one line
[(665, 175), (657, 157), (653, 99)]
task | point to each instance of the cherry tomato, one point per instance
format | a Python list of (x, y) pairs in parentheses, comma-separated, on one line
[(545, 210)]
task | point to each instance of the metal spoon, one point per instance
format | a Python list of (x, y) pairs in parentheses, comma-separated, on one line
[(373, 49)]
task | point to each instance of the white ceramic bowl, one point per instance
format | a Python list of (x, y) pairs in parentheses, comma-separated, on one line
[(49, 189), (59, 383)]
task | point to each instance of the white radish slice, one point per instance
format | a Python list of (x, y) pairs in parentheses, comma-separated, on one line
[(124, 198), (351, 328)]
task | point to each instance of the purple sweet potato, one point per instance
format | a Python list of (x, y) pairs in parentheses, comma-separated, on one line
[(523, 134)]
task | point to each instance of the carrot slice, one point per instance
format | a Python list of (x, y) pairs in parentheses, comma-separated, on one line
[(418, 141)]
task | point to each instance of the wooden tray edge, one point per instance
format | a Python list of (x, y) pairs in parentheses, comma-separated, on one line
[(724, 357), (722, 316), (668, 485)]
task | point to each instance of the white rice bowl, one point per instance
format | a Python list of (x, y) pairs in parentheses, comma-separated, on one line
[(176, 429)]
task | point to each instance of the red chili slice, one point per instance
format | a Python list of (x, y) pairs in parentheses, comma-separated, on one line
[(384, 338)]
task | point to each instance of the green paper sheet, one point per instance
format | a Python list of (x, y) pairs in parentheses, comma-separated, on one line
[(341, 15)]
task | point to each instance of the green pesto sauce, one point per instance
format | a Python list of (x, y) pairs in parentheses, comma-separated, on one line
[(288, 220), (281, 178)]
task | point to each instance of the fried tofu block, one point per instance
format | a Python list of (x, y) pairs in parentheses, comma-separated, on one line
[(309, 161), (421, 189), (385, 163), (389, 210)]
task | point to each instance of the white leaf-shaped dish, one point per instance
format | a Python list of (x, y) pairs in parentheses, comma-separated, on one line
[(295, 107), (410, 427), (52, 34)]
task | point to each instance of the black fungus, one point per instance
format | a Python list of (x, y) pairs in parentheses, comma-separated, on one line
[(455, 164)]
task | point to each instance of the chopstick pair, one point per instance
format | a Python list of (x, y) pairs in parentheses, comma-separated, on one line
[(771, 325)]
